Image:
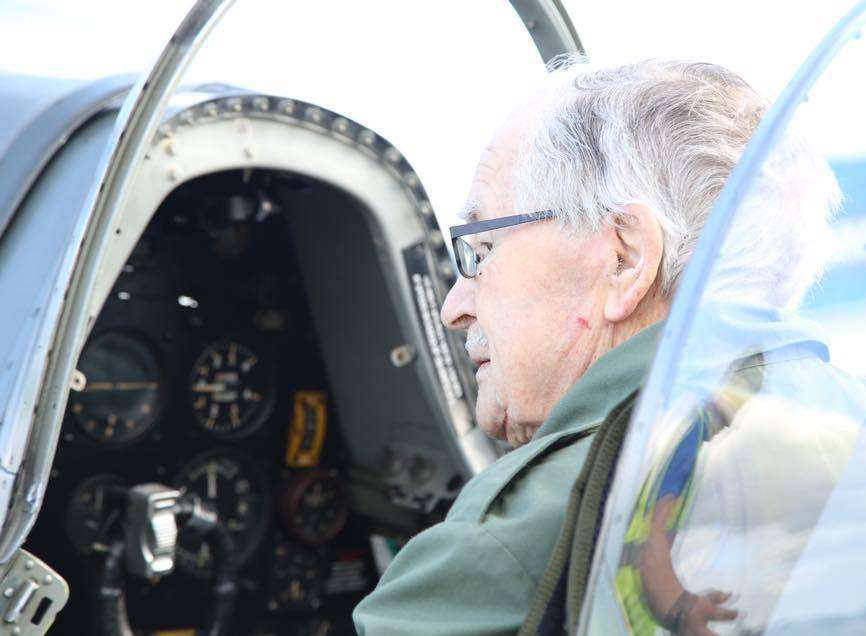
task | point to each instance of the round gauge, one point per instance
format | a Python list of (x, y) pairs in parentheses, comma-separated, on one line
[(120, 401), (297, 578), (314, 508), (237, 489), (96, 505), (232, 390)]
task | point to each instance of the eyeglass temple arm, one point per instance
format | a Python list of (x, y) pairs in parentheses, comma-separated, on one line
[(497, 224)]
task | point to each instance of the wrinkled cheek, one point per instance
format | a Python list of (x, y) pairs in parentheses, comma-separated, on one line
[(490, 411)]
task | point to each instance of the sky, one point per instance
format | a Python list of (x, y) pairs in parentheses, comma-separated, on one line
[(435, 78)]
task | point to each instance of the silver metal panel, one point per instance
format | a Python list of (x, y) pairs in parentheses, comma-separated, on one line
[(39, 123), (65, 320), (36, 248)]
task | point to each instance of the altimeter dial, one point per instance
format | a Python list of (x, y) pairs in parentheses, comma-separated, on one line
[(231, 389)]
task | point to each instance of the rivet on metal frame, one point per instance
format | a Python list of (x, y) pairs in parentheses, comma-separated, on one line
[(314, 114), (411, 179), (211, 110), (287, 106), (425, 208), (402, 355), (367, 137), (235, 104), (79, 381), (261, 103), (341, 125), (436, 238), (392, 155)]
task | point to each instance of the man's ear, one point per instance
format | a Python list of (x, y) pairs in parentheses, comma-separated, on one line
[(637, 246)]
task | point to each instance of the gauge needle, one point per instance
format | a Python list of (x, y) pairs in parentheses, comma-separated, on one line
[(121, 386), (202, 387), (211, 480)]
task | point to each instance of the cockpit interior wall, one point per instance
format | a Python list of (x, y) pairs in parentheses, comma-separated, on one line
[(244, 354)]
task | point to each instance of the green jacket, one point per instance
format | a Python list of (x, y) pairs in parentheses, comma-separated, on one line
[(476, 572)]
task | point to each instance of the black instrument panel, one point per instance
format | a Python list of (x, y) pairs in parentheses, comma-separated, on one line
[(204, 373)]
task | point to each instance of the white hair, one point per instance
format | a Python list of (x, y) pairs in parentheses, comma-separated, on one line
[(667, 133)]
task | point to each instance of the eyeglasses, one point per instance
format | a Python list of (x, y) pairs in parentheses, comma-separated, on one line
[(466, 256)]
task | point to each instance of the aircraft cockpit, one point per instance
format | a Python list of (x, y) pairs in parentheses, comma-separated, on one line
[(227, 399)]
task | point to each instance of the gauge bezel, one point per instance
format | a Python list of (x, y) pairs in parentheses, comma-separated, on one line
[(87, 482), (247, 463), (290, 500), (152, 419), (268, 402)]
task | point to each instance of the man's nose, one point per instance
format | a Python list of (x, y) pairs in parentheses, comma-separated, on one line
[(458, 310)]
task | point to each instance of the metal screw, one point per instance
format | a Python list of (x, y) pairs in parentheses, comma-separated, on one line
[(402, 355), (8, 592), (79, 381), (261, 103), (392, 155), (367, 137), (287, 106), (411, 179), (30, 564), (341, 125), (314, 114), (234, 104), (48, 579)]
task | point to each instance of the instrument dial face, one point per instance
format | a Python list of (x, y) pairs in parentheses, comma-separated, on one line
[(237, 489), (121, 399), (96, 505), (314, 508), (232, 390), (297, 577)]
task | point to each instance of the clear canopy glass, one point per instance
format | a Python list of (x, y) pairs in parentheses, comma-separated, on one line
[(738, 501)]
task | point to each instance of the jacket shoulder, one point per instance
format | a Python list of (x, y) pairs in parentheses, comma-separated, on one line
[(544, 463)]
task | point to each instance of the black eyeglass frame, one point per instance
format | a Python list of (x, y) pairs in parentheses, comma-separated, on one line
[(476, 227)]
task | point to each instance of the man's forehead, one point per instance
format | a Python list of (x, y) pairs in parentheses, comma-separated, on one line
[(491, 193)]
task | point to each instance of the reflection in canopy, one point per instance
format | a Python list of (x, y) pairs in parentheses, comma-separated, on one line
[(737, 507)]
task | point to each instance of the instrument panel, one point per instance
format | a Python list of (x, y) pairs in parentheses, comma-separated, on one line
[(203, 372)]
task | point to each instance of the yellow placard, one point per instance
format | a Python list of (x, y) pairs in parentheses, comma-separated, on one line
[(307, 430)]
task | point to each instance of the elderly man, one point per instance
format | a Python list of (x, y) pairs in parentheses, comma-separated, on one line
[(583, 213)]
